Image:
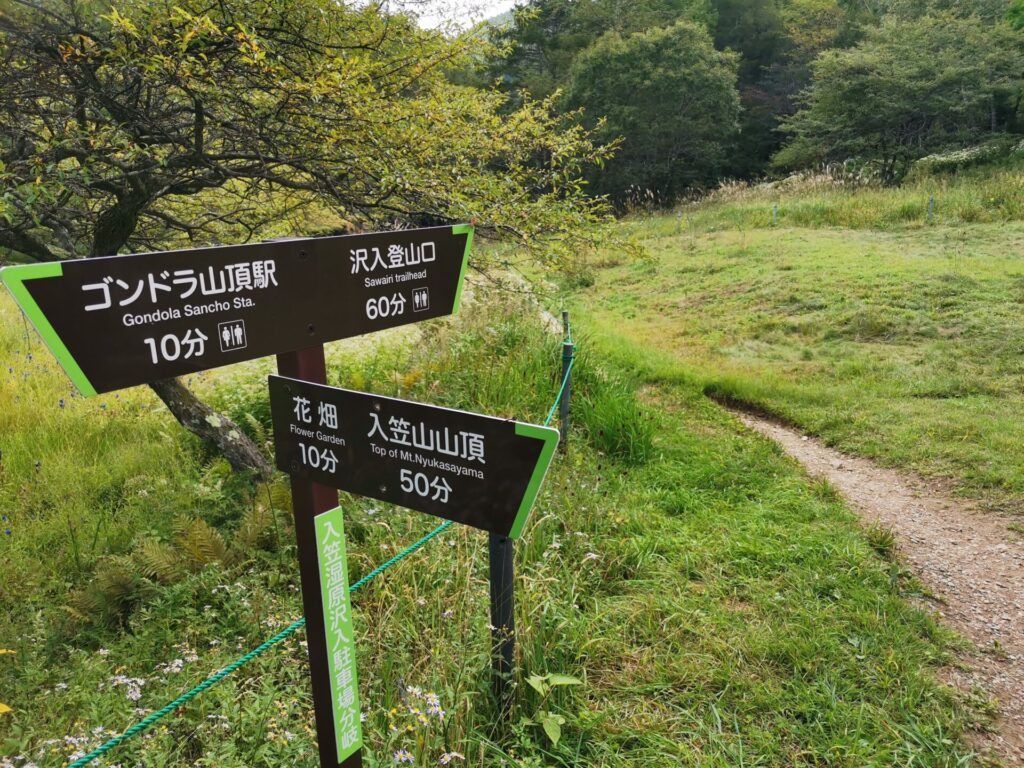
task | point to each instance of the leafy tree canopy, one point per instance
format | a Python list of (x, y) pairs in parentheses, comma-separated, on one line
[(670, 95), (135, 125), (776, 40), (1015, 14), (910, 88), (547, 35), (988, 10)]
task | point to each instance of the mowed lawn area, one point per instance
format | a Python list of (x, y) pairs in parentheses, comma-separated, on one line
[(854, 318)]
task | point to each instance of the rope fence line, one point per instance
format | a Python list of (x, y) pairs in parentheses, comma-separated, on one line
[(291, 629), (561, 391)]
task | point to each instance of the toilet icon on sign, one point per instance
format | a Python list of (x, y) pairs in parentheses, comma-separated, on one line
[(232, 336), (420, 299)]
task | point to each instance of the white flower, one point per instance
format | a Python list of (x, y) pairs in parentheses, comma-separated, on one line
[(133, 686)]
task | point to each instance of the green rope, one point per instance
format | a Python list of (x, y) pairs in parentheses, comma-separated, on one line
[(259, 651), (404, 553), (188, 696), (561, 391), (284, 633)]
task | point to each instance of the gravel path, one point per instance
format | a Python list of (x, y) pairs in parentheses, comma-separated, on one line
[(969, 560)]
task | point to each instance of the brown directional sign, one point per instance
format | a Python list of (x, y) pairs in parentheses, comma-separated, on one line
[(119, 321), (477, 470)]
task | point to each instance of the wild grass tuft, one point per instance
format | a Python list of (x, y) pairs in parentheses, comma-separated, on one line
[(882, 540), (611, 415)]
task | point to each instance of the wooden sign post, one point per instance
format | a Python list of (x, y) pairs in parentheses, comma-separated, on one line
[(121, 321), (473, 469), (313, 502)]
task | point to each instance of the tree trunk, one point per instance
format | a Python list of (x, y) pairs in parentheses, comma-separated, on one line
[(197, 417), (117, 223)]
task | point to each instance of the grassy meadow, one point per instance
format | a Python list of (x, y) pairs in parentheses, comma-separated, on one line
[(854, 316), (717, 608)]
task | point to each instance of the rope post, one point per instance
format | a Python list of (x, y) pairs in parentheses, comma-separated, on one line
[(310, 499), (568, 350), (931, 208), (503, 628), (775, 214)]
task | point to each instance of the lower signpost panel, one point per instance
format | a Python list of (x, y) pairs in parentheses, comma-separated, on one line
[(341, 648), (467, 467)]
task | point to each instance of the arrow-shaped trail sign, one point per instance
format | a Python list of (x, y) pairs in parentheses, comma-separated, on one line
[(119, 321), (477, 470)]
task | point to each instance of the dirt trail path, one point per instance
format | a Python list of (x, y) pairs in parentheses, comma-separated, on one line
[(970, 560)]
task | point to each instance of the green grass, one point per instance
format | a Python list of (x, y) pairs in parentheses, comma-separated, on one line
[(720, 609), (902, 343), (989, 194)]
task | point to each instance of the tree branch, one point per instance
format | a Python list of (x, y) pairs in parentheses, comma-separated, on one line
[(22, 243)]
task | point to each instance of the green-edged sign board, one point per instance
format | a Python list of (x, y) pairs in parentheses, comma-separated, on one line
[(474, 469), (119, 321), (341, 647)]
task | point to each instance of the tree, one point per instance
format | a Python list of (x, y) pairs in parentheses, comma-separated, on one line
[(671, 97), (777, 40), (140, 125), (546, 36), (988, 10), (1015, 15), (909, 89)]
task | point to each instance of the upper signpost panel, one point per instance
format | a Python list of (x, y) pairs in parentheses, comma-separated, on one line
[(120, 321)]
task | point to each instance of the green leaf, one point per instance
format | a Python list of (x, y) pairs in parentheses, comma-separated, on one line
[(556, 679), (538, 684), (552, 725)]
